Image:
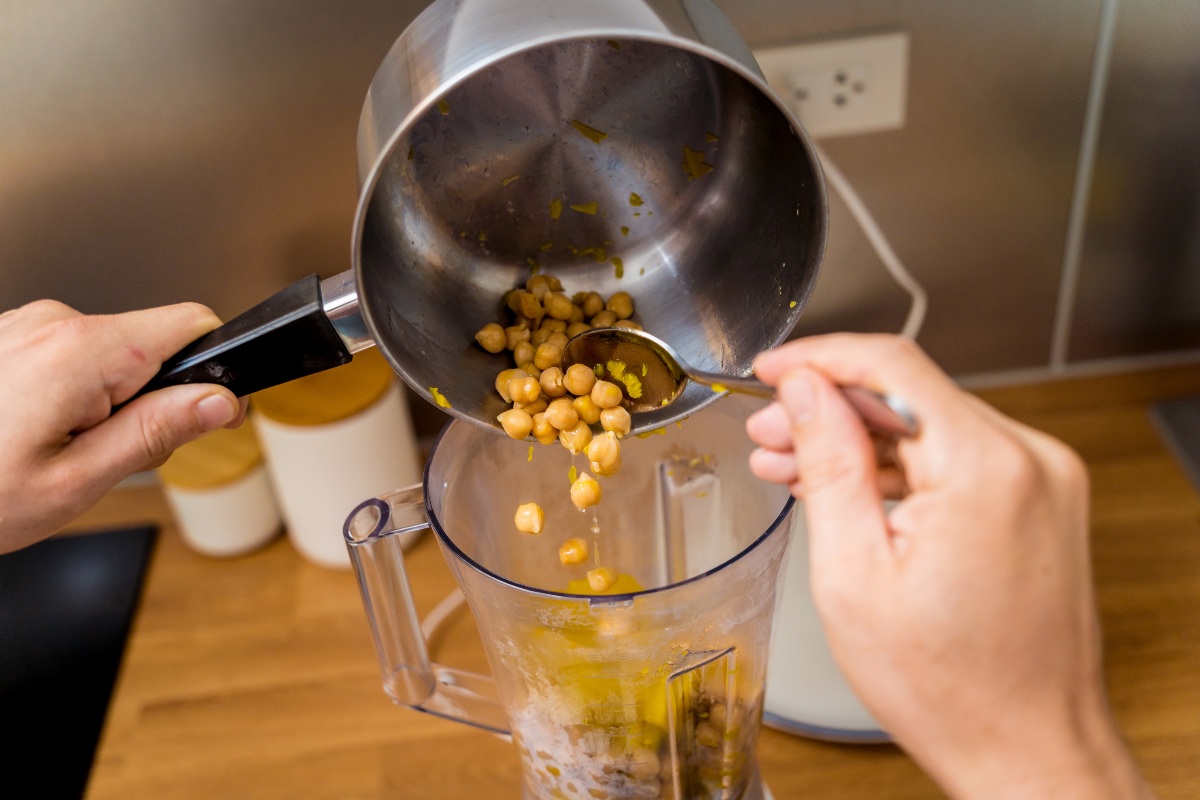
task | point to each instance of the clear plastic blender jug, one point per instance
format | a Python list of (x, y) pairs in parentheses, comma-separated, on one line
[(654, 691)]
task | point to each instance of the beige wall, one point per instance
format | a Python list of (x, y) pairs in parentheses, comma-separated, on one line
[(202, 149)]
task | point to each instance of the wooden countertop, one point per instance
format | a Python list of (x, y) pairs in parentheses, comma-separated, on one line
[(255, 677)]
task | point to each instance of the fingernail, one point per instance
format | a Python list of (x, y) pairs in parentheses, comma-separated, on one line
[(798, 397), (215, 410)]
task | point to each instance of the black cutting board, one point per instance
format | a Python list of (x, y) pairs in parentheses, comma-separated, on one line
[(66, 605)]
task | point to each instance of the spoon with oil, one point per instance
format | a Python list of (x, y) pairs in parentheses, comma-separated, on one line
[(663, 375)]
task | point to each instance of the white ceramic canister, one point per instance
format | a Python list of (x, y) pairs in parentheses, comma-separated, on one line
[(806, 693), (220, 494), (332, 440)]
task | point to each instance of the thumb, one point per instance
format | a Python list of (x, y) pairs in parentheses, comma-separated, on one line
[(835, 462), (150, 428)]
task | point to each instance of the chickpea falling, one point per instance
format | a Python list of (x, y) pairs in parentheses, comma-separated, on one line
[(552, 405)]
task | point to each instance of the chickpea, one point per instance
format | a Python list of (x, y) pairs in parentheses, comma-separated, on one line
[(576, 315), (558, 305), (585, 491), (503, 379), (620, 304), (574, 329), (559, 339), (601, 579), (573, 551), (707, 734), (536, 407), (525, 304), (539, 337), (606, 395), (491, 337), (542, 430), (554, 283), (604, 454), (592, 304), (549, 354), (530, 518), (644, 763), (579, 380), (552, 382), (605, 319), (562, 414), (616, 420), (516, 423), (576, 439), (554, 325), (523, 352), (537, 285), (514, 335), (524, 390), (628, 323), (530, 369), (718, 716), (588, 411)]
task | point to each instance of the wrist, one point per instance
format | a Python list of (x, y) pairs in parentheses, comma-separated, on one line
[(1086, 760)]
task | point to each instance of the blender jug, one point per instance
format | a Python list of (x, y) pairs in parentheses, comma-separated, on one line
[(651, 690)]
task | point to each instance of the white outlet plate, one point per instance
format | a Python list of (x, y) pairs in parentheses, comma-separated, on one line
[(842, 87)]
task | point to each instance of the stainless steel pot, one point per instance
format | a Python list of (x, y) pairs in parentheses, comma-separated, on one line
[(484, 115)]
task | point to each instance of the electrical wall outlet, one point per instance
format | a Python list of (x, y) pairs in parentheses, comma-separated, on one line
[(842, 87)]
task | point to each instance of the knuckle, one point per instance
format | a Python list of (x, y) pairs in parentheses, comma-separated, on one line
[(59, 337), (46, 308), (1065, 466), (71, 329), (821, 472), (1013, 465), (899, 348), (1038, 463), (159, 436)]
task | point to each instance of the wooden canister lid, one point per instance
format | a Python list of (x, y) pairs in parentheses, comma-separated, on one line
[(329, 396), (214, 460)]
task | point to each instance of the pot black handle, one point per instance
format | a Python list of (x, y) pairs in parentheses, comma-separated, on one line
[(287, 336)]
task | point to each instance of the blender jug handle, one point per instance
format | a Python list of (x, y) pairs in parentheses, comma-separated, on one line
[(696, 676), (409, 677)]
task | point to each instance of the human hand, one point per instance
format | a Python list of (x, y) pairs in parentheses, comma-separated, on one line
[(964, 618), (61, 447)]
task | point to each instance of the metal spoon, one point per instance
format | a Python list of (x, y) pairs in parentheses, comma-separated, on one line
[(661, 376)]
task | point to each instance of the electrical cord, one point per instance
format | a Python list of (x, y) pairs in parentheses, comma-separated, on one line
[(879, 243)]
